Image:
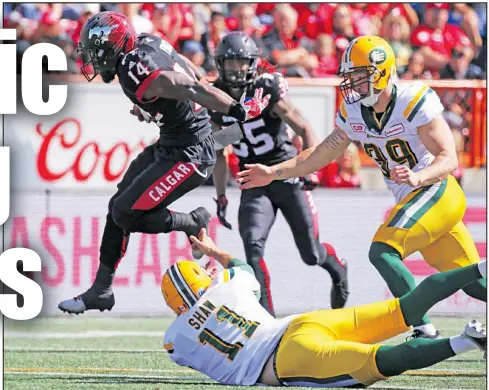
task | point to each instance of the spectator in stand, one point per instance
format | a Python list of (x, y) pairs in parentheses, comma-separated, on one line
[(396, 31), (364, 22), (435, 39), (328, 64), (210, 39), (343, 32), (141, 24), (194, 51), (248, 22), (459, 66), (287, 47), (344, 172), (415, 69)]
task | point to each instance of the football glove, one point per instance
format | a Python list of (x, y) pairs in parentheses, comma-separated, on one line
[(222, 205), (255, 106), (310, 182)]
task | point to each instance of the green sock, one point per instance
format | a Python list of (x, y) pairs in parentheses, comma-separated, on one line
[(412, 355), (399, 279), (477, 290), (434, 289)]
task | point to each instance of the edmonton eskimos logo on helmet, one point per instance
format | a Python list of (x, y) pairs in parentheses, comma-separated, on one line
[(377, 56)]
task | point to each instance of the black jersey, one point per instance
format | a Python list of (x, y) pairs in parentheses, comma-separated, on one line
[(181, 123), (266, 140)]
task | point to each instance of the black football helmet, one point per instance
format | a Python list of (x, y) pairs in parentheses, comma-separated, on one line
[(104, 39), (240, 47)]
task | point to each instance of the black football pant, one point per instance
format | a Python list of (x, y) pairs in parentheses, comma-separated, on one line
[(257, 213), (150, 184)]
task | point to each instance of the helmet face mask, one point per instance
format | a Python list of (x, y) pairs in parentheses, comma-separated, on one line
[(104, 39), (358, 85), (238, 71), (237, 60), (367, 67)]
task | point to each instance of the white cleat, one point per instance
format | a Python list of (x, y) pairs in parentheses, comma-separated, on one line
[(476, 332)]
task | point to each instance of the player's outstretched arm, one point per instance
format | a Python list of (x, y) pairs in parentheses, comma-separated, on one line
[(309, 161), (292, 116), (179, 86)]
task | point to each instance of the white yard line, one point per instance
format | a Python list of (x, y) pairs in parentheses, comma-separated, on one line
[(88, 334), (91, 350)]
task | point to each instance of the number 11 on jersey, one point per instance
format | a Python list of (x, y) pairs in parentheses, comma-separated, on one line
[(224, 314)]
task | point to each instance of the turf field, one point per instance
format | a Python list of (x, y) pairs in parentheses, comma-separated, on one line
[(94, 352)]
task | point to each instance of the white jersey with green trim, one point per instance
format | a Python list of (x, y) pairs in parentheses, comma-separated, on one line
[(227, 335), (394, 140)]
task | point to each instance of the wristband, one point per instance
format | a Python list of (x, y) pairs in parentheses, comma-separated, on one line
[(237, 111)]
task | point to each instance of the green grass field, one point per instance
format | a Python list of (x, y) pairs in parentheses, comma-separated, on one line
[(82, 352)]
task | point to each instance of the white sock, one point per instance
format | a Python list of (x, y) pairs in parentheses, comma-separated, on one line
[(461, 344), (483, 268), (428, 329)]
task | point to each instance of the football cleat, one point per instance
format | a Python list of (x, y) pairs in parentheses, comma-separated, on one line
[(98, 297), (419, 334), (476, 332), (88, 301), (339, 291), (202, 217)]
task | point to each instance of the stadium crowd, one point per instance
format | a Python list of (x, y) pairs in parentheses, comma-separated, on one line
[(431, 41)]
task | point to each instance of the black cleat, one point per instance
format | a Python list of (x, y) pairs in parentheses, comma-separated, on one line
[(201, 217), (88, 301), (339, 291)]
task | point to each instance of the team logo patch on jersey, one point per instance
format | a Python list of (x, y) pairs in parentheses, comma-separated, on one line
[(395, 130), (357, 127), (377, 56)]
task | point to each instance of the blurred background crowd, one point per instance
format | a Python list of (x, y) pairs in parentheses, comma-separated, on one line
[(431, 41), (306, 40)]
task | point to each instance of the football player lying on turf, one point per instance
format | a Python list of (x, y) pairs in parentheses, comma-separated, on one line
[(222, 330)]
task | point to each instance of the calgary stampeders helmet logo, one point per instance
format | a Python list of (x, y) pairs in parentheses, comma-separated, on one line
[(104, 39)]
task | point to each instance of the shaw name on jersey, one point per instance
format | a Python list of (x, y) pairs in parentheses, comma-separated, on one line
[(393, 139), (227, 335)]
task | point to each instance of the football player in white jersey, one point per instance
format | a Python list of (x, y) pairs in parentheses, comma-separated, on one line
[(222, 330), (402, 128)]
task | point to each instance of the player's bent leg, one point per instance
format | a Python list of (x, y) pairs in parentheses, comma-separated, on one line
[(453, 250), (112, 249), (336, 348), (142, 206), (390, 266), (421, 353), (256, 216), (299, 211), (416, 222), (436, 288)]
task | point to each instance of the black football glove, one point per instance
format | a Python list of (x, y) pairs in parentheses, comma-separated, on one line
[(222, 205), (310, 182)]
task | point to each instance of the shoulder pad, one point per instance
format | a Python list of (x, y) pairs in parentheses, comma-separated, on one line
[(415, 99)]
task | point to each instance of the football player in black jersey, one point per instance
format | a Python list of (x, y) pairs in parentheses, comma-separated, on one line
[(165, 89), (266, 141)]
